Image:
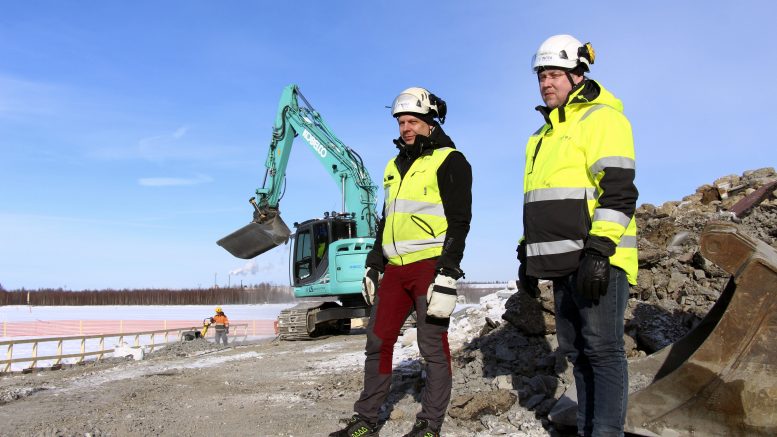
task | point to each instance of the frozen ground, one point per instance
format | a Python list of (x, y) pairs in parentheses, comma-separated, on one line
[(267, 388), (12, 314), (53, 314), (21, 313)]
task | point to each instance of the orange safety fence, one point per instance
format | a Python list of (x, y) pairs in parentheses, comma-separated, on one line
[(94, 327)]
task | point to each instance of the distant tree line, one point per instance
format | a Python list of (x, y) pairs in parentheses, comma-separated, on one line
[(251, 294), (255, 294)]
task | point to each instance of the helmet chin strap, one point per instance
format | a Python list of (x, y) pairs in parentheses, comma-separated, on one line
[(569, 77)]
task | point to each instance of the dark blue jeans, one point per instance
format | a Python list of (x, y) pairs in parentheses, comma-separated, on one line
[(590, 333)]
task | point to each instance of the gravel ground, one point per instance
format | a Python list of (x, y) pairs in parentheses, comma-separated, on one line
[(266, 389), (195, 388), (506, 372)]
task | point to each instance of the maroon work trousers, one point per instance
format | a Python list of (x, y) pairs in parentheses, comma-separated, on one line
[(403, 289)]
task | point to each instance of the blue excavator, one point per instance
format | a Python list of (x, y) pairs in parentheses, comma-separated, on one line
[(328, 253)]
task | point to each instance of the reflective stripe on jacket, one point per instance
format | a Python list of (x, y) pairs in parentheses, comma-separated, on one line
[(415, 224), (579, 181), (220, 321)]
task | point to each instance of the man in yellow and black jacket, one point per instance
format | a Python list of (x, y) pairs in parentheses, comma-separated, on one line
[(579, 200), (415, 262)]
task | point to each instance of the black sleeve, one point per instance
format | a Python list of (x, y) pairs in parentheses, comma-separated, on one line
[(618, 190), (454, 177), (375, 258)]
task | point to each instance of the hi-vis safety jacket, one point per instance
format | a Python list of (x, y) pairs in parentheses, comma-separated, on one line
[(579, 181), (220, 321), (415, 223)]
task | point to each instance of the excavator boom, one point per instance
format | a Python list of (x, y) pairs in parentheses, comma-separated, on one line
[(328, 255), (296, 117)]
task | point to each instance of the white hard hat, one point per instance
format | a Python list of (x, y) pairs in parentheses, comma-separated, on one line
[(563, 51), (416, 100)]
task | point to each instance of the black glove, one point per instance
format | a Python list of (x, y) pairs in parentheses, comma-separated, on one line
[(593, 274), (227, 330), (529, 284)]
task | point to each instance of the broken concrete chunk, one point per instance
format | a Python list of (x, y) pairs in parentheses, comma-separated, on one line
[(478, 405)]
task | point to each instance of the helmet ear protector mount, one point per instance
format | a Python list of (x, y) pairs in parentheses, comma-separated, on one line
[(442, 107), (564, 52), (586, 51)]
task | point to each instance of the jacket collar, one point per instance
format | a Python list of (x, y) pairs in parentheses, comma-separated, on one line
[(584, 92), (424, 145)]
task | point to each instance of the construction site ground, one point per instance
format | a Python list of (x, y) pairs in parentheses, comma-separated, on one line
[(508, 378), (195, 388), (263, 389)]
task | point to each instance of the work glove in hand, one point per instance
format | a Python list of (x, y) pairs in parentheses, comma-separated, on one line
[(529, 284), (227, 330), (370, 284), (593, 274), (441, 296)]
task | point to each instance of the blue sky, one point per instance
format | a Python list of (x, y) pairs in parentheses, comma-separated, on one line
[(133, 133)]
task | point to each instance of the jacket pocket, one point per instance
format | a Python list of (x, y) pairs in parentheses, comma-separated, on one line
[(423, 225)]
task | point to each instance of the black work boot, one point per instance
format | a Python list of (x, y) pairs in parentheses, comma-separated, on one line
[(423, 428), (357, 426)]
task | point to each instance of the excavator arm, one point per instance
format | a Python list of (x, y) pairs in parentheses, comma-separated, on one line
[(346, 168)]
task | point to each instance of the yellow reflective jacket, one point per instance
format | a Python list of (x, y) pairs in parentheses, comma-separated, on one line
[(415, 225), (579, 181)]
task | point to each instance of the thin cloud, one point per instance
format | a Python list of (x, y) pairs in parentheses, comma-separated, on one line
[(157, 148), (174, 182), (20, 98)]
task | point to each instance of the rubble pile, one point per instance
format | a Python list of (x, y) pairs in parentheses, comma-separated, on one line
[(183, 349), (507, 376), (676, 285)]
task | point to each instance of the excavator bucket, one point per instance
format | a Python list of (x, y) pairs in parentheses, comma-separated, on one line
[(256, 238), (721, 378)]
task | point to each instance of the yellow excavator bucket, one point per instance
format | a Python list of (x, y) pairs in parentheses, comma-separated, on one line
[(721, 378)]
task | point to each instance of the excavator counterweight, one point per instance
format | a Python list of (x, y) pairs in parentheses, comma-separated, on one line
[(721, 378)]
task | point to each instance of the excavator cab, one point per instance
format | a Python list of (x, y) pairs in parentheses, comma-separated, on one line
[(311, 244)]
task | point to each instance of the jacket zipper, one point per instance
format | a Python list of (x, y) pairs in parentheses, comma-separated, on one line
[(394, 213), (536, 152)]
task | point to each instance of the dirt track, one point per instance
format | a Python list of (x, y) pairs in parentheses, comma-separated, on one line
[(266, 389)]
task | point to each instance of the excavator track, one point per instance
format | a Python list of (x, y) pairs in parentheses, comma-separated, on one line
[(293, 322), (311, 320)]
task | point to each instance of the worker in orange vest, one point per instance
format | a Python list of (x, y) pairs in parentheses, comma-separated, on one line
[(221, 323)]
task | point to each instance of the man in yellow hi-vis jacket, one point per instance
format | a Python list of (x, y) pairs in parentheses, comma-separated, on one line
[(579, 229), (414, 264)]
